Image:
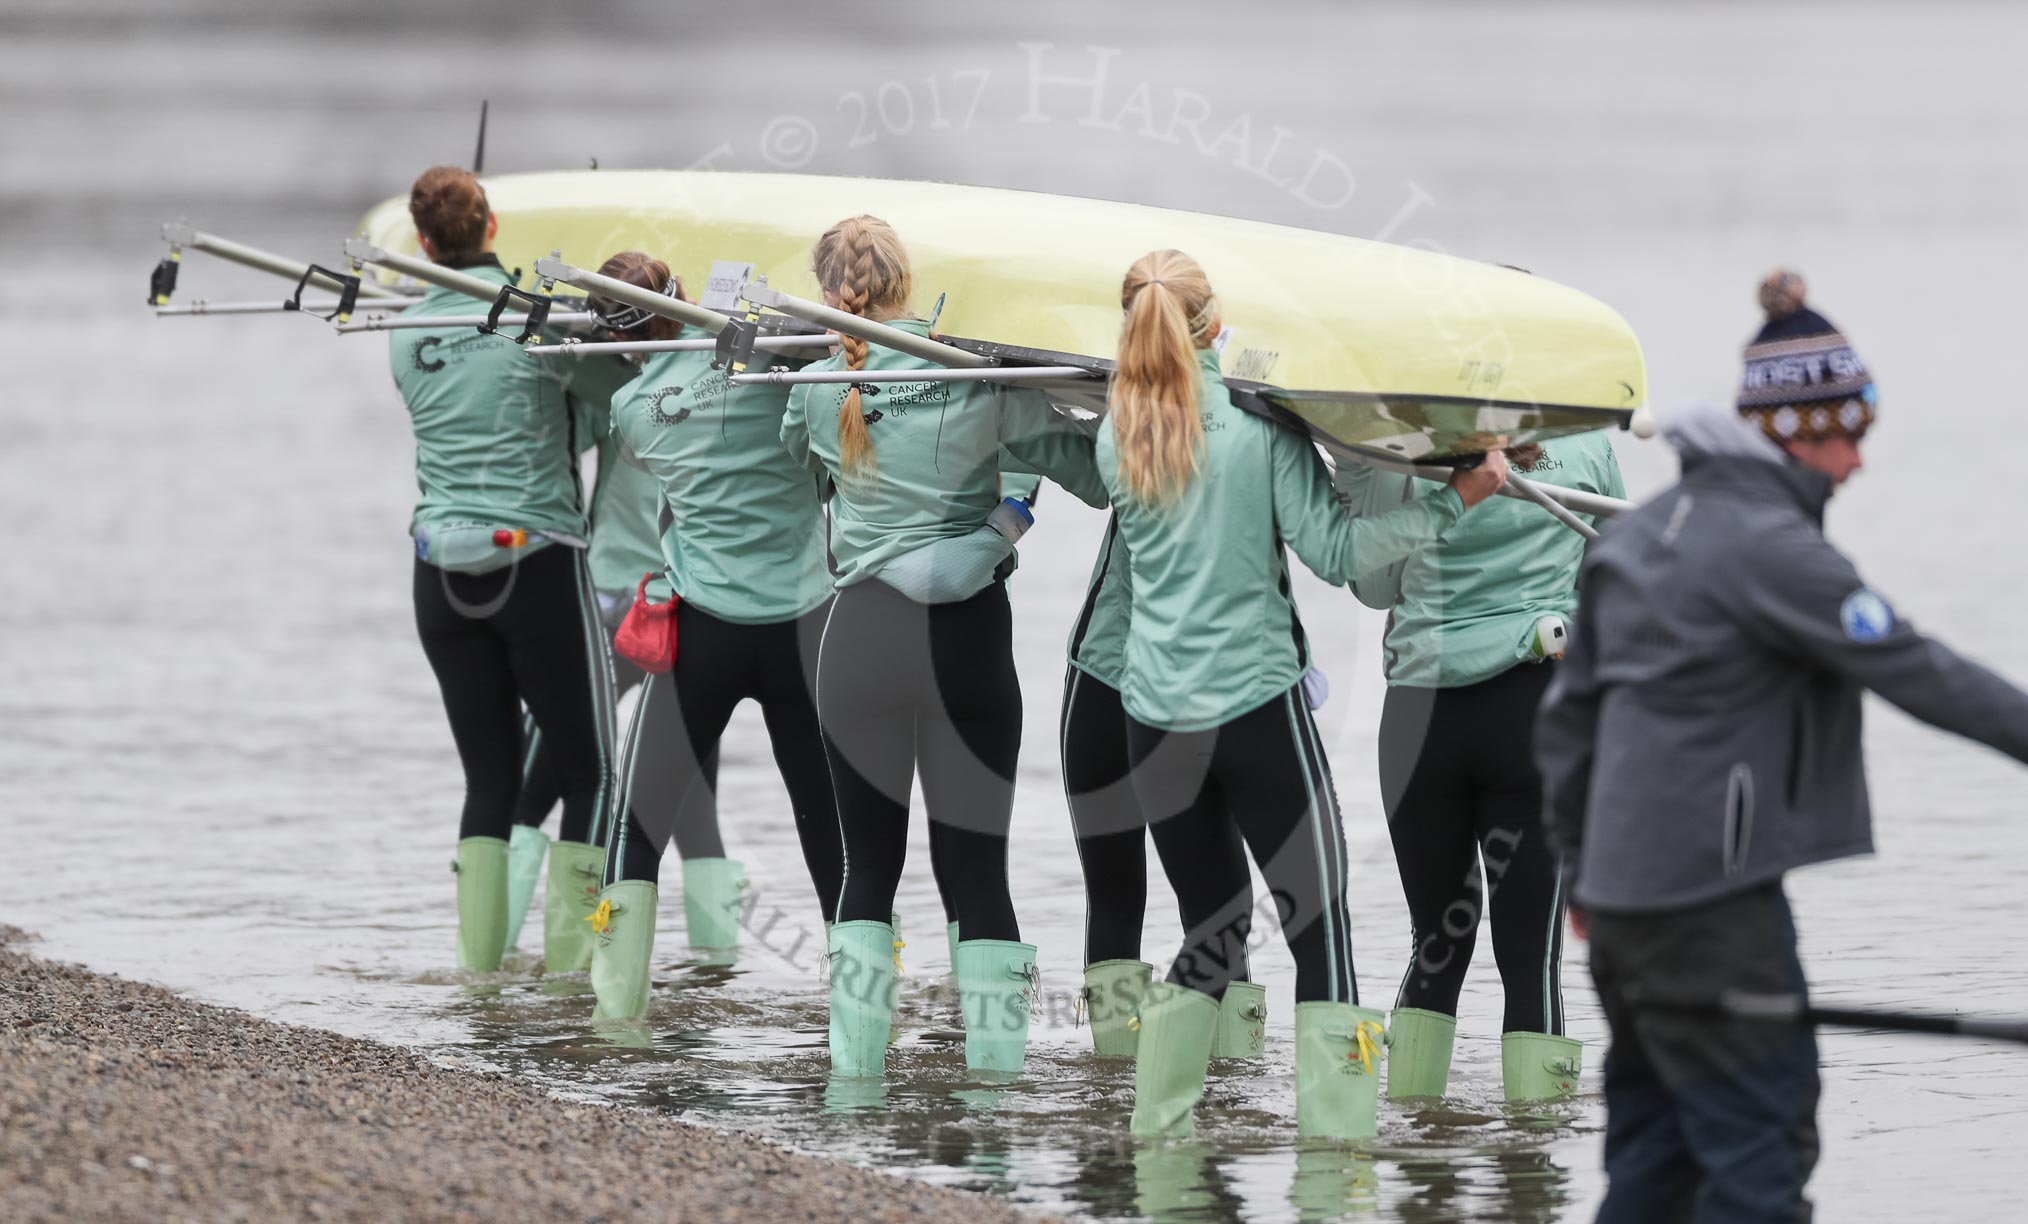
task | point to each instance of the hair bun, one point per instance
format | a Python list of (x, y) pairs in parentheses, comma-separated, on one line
[(1781, 294)]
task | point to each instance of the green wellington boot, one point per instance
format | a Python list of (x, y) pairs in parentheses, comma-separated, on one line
[(1540, 1066), (863, 987), (527, 846), (1419, 1052), (570, 895), (1112, 990), (1340, 1048), (623, 940), (711, 894), (1177, 1027), (1242, 1022), (996, 991), (481, 866)]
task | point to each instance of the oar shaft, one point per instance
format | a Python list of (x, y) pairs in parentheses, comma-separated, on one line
[(848, 324), (1537, 494), (990, 374), (1595, 504), (662, 304), (571, 348), (1909, 1022), (1796, 1009), (377, 325), (270, 306), (422, 270), (181, 235)]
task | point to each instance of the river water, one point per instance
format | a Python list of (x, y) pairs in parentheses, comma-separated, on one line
[(222, 762)]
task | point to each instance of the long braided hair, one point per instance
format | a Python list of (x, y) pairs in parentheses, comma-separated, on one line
[(862, 263)]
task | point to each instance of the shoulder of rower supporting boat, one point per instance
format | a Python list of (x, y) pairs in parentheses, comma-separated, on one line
[(1213, 629), (745, 537), (1467, 602), (939, 450), (626, 500), (468, 394)]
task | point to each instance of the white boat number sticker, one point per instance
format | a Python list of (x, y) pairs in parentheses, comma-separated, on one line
[(1255, 364), (721, 288)]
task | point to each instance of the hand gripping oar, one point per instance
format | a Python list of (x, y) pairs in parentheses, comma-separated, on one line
[(1797, 1009), (1520, 488)]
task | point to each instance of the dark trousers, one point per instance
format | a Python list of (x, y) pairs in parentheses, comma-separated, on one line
[(902, 687), (1258, 782), (658, 778), (526, 634), (1112, 841), (1708, 1118), (1464, 811), (669, 771)]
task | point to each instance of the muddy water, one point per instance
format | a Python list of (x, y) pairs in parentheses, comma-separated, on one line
[(223, 766)]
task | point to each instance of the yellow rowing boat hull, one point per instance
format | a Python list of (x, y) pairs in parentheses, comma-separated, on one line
[(1399, 349)]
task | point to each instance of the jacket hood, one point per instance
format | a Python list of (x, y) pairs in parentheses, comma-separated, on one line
[(1716, 444), (1706, 430)]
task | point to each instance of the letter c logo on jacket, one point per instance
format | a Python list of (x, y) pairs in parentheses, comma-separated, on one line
[(1866, 617)]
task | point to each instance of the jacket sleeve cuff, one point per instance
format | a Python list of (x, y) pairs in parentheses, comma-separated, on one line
[(1448, 505)]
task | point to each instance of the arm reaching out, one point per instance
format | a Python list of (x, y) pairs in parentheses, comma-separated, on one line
[(1805, 596), (1034, 435), (1337, 546)]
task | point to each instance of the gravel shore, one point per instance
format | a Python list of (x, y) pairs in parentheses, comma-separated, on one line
[(120, 1101)]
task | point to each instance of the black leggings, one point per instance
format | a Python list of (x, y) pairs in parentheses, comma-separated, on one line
[(1106, 818), (656, 778), (1259, 783), (672, 747), (1464, 809), (527, 634), (903, 685)]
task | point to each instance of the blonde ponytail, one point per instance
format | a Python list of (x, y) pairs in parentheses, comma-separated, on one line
[(1157, 431), (862, 263)]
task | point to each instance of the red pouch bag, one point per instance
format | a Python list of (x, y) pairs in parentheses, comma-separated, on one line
[(647, 637)]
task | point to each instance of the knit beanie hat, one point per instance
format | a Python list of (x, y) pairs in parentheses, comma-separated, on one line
[(1803, 381)]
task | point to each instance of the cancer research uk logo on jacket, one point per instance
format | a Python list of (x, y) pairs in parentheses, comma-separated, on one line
[(662, 416), (1866, 617), (433, 353)]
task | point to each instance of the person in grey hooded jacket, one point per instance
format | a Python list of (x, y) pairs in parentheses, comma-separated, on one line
[(1701, 740)]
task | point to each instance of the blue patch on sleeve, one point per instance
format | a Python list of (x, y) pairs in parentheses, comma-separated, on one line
[(1866, 617)]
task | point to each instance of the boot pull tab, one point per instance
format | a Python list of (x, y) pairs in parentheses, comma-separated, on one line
[(899, 944), (1368, 1043), (601, 919), (1083, 1005)]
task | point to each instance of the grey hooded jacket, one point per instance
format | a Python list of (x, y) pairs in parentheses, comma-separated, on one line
[(1702, 735)]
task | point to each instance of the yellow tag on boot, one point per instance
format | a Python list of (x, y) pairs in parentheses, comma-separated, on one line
[(1370, 1037)]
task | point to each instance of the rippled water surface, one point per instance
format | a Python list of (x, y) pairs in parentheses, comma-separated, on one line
[(222, 762)]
